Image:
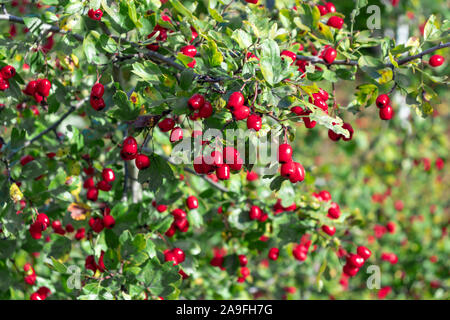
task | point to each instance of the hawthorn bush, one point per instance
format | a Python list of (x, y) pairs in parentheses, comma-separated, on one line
[(95, 96)]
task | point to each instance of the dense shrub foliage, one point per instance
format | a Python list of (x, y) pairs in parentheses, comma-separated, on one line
[(95, 96)]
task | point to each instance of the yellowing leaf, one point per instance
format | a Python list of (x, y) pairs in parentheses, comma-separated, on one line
[(15, 193), (386, 75), (78, 210)]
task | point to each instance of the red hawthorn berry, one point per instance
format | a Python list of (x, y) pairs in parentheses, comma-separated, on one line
[(166, 125), (179, 255), (206, 111), (97, 90), (95, 14), (335, 22), (289, 54), (108, 175), (287, 169), (386, 113), (382, 101), (251, 176), (330, 7), (299, 173), (7, 72), (104, 186), (236, 100), (196, 102), (90, 263), (192, 202), (300, 252), (436, 60), (80, 234), (285, 153), (355, 260), (43, 87), (161, 208), (216, 159), (26, 159), (329, 230), (109, 222), (223, 172), (130, 146), (30, 89), (325, 195), (44, 220), (35, 296), (179, 214), (329, 55), (96, 224), (255, 213), (142, 161), (350, 270), (243, 260), (322, 9), (348, 127), (244, 271), (364, 252), (241, 113), (334, 211), (390, 227), (69, 228), (192, 63), (92, 194), (273, 253), (189, 51), (264, 217), (176, 134), (254, 122), (194, 34)]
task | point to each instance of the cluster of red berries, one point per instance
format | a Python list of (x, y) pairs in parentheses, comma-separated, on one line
[(319, 99), (336, 136), (95, 14), (356, 261), (180, 222), (236, 106), (130, 151), (39, 89), (6, 73), (389, 257), (41, 294), (218, 258), (30, 274), (290, 169), (278, 207), (300, 251), (162, 36), (221, 162), (96, 100), (90, 263), (241, 112), (200, 106), (41, 224), (108, 177), (176, 255), (190, 51), (256, 213), (386, 111), (98, 224)]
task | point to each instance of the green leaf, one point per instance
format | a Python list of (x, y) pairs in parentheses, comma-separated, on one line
[(58, 266)]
